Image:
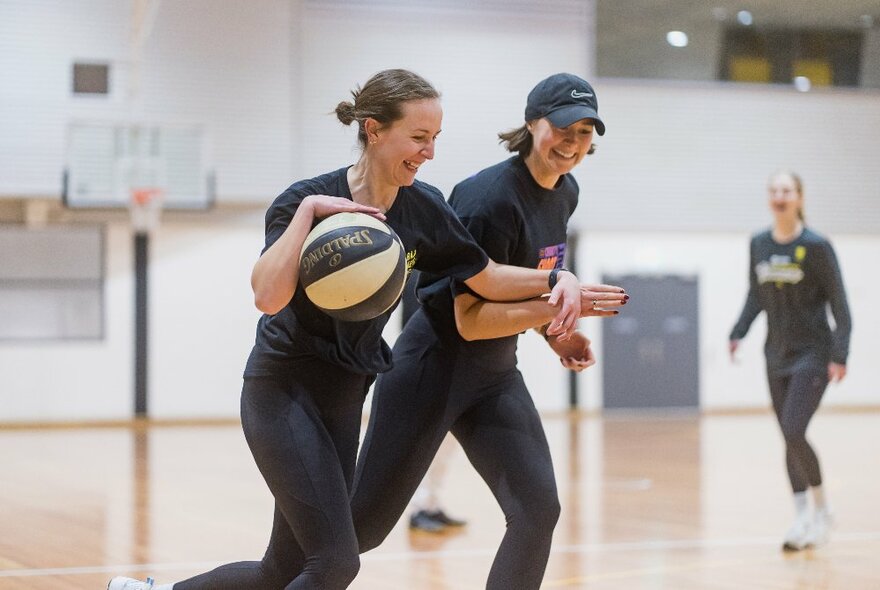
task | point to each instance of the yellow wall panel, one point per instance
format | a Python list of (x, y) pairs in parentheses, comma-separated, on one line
[(749, 69), (817, 70)]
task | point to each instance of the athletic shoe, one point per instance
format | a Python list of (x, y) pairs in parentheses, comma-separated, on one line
[(120, 583), (820, 529), (797, 535), (423, 521), (445, 519)]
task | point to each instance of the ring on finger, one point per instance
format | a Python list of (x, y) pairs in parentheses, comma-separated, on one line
[(595, 303)]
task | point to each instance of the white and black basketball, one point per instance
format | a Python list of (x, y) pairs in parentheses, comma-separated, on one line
[(353, 266)]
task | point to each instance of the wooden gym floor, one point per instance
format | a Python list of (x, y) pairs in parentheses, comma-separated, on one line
[(677, 503)]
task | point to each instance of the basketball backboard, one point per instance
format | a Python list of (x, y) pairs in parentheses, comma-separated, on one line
[(106, 161)]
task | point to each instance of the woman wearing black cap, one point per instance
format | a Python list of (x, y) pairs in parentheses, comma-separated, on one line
[(455, 361)]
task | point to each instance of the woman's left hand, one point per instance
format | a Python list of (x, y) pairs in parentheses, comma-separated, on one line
[(566, 294), (574, 353), (836, 372), (596, 299)]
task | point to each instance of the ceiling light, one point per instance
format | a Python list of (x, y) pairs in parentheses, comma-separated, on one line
[(744, 17), (802, 83), (677, 38)]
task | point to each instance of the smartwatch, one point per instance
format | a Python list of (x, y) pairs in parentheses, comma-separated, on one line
[(553, 278)]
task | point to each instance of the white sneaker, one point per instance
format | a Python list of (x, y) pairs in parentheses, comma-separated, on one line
[(820, 529), (121, 583), (797, 535)]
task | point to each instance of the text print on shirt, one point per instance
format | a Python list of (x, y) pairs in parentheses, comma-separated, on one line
[(780, 269), (411, 258), (551, 257)]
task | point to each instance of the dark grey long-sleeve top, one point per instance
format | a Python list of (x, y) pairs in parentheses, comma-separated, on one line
[(795, 283)]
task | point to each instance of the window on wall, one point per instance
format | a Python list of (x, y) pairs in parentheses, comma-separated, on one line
[(813, 57), (812, 42), (51, 283)]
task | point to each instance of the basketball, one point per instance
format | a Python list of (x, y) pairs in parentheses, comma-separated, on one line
[(352, 266)]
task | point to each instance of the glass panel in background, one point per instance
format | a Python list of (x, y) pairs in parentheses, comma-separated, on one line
[(808, 43)]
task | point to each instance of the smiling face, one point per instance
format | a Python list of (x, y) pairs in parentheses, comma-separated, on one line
[(398, 150), (785, 198), (557, 150)]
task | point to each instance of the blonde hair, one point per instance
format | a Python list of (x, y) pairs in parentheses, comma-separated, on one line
[(382, 98)]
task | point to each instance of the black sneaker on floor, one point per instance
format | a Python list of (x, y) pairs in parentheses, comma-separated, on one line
[(445, 519), (424, 521)]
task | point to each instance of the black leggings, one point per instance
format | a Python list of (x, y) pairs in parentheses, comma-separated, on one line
[(435, 388), (303, 434), (796, 398)]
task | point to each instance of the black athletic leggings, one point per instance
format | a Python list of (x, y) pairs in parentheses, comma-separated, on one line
[(436, 387), (303, 434), (796, 398)]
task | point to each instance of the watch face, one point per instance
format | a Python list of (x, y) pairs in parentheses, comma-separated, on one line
[(552, 278)]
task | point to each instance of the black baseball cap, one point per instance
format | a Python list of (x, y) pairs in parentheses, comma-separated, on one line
[(564, 99)]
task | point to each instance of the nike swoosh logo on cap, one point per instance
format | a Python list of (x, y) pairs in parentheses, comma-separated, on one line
[(576, 94)]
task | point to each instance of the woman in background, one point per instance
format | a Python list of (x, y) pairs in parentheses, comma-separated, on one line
[(794, 276)]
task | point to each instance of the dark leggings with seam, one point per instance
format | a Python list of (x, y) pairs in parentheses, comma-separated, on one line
[(436, 388), (303, 434), (796, 398)]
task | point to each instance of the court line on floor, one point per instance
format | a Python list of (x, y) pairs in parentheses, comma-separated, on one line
[(653, 571), (421, 555), (622, 547)]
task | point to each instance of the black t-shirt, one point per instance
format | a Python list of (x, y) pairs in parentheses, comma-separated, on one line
[(794, 283), (517, 222), (434, 240)]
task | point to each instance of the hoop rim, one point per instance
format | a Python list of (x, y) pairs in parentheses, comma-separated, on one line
[(144, 195), (145, 206)]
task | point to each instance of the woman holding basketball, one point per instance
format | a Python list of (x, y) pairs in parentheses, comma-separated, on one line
[(455, 361), (308, 373), (794, 277)]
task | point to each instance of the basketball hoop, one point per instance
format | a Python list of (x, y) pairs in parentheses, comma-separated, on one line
[(145, 206)]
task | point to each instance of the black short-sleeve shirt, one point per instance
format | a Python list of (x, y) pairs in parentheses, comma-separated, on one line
[(517, 222), (435, 241)]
